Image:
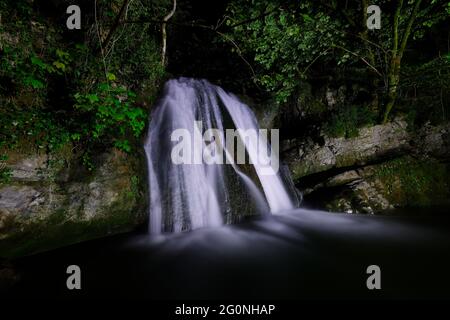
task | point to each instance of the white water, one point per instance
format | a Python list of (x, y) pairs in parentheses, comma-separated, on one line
[(190, 196)]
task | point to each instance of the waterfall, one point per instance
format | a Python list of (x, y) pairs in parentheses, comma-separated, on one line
[(190, 195)]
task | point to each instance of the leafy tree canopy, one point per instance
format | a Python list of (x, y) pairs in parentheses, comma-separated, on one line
[(292, 40)]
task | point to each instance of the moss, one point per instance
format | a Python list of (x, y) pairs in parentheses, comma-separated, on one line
[(5, 175), (311, 105), (56, 231), (347, 159), (133, 191), (409, 182), (347, 119), (302, 168), (71, 222)]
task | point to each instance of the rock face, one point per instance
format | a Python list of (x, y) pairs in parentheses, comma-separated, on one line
[(384, 167), (265, 111), (52, 200), (372, 143)]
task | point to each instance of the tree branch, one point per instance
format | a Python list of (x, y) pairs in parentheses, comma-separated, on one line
[(302, 73), (164, 33), (201, 26), (115, 24), (395, 30), (408, 28), (154, 21), (362, 59), (344, 13), (238, 50), (254, 19)]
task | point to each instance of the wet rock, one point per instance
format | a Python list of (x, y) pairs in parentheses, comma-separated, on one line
[(385, 166), (433, 141), (372, 143), (49, 203), (29, 169), (347, 177)]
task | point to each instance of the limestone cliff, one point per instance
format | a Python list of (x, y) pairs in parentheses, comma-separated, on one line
[(51, 199)]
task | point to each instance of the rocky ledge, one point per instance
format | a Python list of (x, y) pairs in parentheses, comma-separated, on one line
[(384, 167), (52, 200)]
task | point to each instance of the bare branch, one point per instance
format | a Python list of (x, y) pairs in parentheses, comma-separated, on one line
[(255, 18), (115, 24), (313, 61), (362, 59), (238, 50), (201, 26), (164, 33)]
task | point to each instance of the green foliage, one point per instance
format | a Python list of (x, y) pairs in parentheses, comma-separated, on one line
[(134, 187), (284, 43), (55, 89), (346, 121), (425, 92), (86, 159), (112, 111), (288, 41), (414, 183), (5, 172)]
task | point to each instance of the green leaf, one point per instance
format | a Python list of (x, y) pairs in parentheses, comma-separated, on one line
[(59, 65), (75, 136), (92, 98), (33, 82), (103, 87), (38, 62), (80, 46), (307, 18), (123, 145), (110, 76), (62, 54)]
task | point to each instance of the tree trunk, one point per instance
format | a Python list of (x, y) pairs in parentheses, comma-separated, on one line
[(397, 55), (164, 32), (371, 58), (392, 95)]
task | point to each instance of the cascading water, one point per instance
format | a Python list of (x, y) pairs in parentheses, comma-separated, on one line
[(192, 195)]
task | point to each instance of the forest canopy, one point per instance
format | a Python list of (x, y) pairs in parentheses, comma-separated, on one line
[(94, 87), (288, 41)]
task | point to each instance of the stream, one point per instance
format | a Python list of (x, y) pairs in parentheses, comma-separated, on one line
[(295, 254)]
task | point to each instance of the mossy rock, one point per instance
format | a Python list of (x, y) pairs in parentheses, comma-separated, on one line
[(67, 205), (409, 182)]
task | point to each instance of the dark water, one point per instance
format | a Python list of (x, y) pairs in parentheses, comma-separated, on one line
[(301, 254)]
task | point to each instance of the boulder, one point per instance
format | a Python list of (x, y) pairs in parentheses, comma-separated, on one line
[(384, 167)]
